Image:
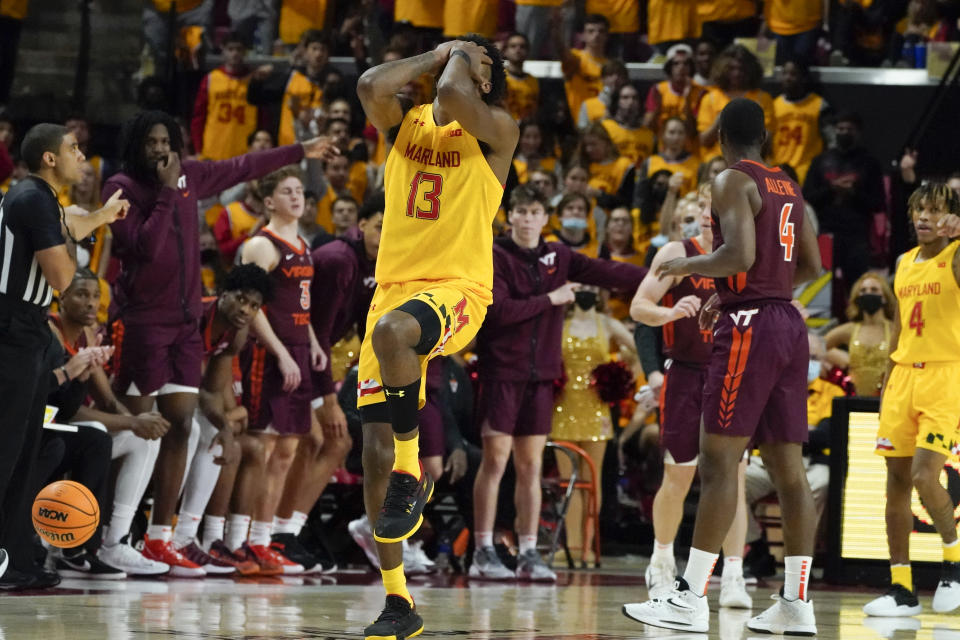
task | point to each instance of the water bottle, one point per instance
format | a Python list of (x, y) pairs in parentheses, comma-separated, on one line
[(907, 53), (920, 55)]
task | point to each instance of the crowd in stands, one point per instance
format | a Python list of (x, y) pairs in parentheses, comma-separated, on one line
[(619, 166)]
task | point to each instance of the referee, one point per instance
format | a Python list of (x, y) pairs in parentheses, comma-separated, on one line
[(34, 260)]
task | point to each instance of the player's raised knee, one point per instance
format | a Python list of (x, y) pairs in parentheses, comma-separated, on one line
[(395, 331)]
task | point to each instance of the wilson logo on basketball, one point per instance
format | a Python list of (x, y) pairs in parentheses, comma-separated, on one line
[(50, 514)]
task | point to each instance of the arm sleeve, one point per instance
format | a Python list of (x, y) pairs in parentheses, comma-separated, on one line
[(210, 178), (647, 350), (608, 274), (142, 233), (506, 310), (39, 219), (331, 278), (199, 115), (815, 187)]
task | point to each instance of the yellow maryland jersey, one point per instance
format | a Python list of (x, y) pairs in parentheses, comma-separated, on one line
[(634, 144), (461, 17), (241, 221), (674, 105), (441, 199), (790, 17), (725, 10), (357, 181), (230, 118), (713, 103), (797, 140), (608, 176), (672, 20), (419, 13), (688, 167), (624, 15), (297, 16), (523, 96), (929, 300), (300, 91), (586, 82), (324, 217)]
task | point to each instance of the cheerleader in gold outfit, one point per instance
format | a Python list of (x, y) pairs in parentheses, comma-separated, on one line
[(581, 416)]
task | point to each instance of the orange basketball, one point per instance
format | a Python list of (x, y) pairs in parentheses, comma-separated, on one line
[(65, 514)]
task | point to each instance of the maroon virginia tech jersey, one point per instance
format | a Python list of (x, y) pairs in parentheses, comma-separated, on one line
[(683, 340), (213, 347), (289, 311), (778, 226)]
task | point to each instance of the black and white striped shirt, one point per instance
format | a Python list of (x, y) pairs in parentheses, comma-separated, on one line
[(29, 222)]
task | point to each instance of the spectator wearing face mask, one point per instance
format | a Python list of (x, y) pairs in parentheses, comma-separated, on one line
[(862, 345), (845, 185)]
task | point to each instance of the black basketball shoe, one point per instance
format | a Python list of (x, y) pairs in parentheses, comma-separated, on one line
[(398, 621), (402, 512), (289, 546)]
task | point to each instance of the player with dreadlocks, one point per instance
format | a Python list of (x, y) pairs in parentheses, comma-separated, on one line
[(160, 349)]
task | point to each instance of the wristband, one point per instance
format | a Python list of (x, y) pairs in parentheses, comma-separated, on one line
[(66, 375), (463, 54)]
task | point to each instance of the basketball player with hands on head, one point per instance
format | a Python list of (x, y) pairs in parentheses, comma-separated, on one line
[(762, 246), (444, 181), (920, 424)]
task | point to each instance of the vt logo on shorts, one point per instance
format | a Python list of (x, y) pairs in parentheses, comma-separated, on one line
[(745, 315)]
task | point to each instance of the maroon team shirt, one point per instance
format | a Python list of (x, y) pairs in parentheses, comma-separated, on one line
[(778, 227), (213, 347), (289, 311), (683, 340)]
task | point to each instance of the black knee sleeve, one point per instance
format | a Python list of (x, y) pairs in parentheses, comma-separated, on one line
[(429, 323)]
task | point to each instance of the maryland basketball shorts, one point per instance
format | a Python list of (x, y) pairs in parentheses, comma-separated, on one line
[(460, 307), (920, 408)]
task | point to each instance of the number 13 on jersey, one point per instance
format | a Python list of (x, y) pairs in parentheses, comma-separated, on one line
[(423, 202)]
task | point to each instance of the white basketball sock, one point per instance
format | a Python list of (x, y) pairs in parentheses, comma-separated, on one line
[(238, 527), (732, 568), (212, 530), (260, 533), (699, 569), (484, 539), (120, 521), (662, 553), (188, 524), (796, 574)]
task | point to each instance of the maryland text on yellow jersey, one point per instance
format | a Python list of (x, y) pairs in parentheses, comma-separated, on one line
[(441, 199), (929, 300)]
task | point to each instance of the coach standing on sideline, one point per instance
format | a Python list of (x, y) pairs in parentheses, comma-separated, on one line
[(34, 260)]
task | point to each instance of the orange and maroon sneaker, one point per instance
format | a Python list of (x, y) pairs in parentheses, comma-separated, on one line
[(268, 566), (165, 552), (244, 566), (272, 556)]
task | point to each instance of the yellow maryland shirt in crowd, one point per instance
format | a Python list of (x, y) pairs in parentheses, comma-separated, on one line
[(230, 118), (324, 217), (303, 92), (595, 107), (586, 82), (441, 199), (16, 9), (608, 176), (461, 17), (790, 17), (524, 169), (820, 395), (523, 96), (725, 10), (796, 140), (672, 20), (634, 144), (672, 104), (624, 15), (714, 102), (929, 301), (688, 167), (163, 6), (419, 13), (357, 181), (297, 16)]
